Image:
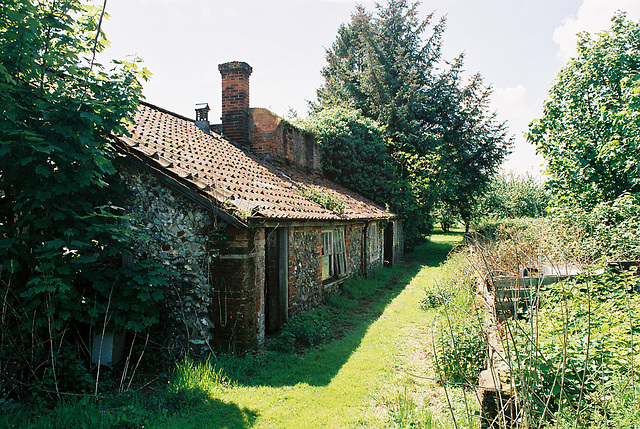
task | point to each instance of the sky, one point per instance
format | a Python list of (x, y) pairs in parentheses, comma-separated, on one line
[(518, 46)]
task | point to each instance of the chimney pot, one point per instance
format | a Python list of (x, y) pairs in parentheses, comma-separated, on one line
[(202, 116)]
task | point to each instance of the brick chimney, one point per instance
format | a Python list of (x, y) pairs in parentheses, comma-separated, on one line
[(235, 101)]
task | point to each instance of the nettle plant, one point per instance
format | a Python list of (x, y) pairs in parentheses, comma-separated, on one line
[(66, 269), (570, 356)]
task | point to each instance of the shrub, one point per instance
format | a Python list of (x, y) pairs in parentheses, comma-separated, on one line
[(572, 351), (611, 230), (512, 196), (306, 329), (461, 351)]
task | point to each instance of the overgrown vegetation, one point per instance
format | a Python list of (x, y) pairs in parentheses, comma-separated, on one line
[(576, 344), (571, 354), (63, 270), (325, 198), (507, 196), (355, 374), (589, 133)]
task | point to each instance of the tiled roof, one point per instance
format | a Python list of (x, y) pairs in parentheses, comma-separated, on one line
[(242, 184)]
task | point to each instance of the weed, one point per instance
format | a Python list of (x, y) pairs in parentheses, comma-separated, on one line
[(405, 413), (306, 329), (325, 198)]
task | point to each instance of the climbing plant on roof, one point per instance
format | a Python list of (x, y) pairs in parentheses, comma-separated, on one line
[(61, 244)]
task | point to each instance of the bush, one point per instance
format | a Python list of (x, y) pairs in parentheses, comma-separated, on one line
[(511, 196), (611, 230), (461, 351), (306, 329), (580, 342)]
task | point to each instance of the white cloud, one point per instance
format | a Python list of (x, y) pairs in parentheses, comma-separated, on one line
[(511, 99), (593, 16)]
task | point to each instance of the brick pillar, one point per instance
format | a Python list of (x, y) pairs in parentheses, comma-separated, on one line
[(235, 101)]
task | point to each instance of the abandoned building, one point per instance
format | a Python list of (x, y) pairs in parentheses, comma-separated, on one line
[(232, 211)]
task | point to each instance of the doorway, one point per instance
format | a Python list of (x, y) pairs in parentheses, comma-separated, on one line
[(388, 245), (276, 278)]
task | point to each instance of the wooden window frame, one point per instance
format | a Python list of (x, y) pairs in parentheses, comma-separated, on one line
[(334, 253)]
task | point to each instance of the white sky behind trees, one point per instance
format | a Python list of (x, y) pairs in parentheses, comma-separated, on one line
[(518, 46)]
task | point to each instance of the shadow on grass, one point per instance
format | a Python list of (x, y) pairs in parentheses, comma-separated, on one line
[(187, 408), (350, 318), (213, 414)]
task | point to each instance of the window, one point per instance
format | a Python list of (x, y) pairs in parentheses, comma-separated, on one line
[(374, 244), (334, 253)]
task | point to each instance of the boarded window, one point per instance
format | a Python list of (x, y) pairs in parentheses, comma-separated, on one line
[(334, 253)]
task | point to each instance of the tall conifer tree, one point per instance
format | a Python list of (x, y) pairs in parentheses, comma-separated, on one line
[(439, 133)]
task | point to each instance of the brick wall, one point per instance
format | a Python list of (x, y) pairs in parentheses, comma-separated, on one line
[(238, 291), (276, 140)]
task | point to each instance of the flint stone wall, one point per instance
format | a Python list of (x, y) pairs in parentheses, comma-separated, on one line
[(305, 274), (175, 231)]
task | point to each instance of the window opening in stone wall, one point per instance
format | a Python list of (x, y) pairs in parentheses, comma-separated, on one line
[(374, 245), (334, 253)]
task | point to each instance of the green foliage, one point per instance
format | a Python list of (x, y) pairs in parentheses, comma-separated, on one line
[(62, 247), (462, 351), (325, 198), (439, 134), (460, 339), (510, 197), (581, 341), (306, 329), (590, 129), (354, 154), (609, 230), (405, 413), (435, 297)]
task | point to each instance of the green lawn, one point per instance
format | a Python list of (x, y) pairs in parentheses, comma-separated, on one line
[(346, 383), (375, 372)]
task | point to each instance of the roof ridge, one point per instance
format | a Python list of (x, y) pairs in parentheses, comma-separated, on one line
[(169, 112)]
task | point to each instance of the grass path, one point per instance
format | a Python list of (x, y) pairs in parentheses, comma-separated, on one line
[(347, 383)]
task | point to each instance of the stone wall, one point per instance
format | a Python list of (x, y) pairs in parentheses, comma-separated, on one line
[(305, 282), (215, 298), (354, 238), (374, 247), (171, 229)]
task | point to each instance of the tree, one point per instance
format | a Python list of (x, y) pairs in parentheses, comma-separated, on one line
[(354, 154), (440, 137), (61, 245), (510, 196), (589, 132)]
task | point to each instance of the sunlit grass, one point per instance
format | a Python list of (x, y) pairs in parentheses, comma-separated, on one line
[(346, 382), (374, 373)]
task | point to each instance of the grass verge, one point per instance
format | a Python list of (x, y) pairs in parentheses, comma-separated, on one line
[(374, 370)]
